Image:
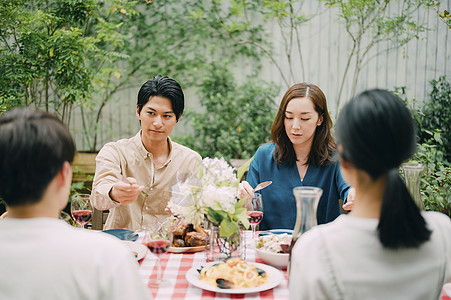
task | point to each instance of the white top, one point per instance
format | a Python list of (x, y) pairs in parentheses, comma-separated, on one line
[(44, 258), (345, 260)]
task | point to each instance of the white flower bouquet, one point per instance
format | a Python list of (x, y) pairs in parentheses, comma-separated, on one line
[(211, 195)]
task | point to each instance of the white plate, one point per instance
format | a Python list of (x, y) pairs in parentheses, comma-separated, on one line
[(275, 278), (276, 231), (140, 249)]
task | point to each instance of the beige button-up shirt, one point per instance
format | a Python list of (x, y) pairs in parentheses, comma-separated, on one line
[(129, 157)]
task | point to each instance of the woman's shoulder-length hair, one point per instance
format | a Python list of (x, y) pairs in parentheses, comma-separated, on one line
[(323, 145)]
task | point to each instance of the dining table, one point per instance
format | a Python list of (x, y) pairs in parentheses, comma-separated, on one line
[(174, 267)]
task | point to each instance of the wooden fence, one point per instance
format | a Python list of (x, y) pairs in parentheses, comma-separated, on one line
[(325, 47)]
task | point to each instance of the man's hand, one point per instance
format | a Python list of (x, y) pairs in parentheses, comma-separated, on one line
[(350, 200), (126, 191), (244, 188)]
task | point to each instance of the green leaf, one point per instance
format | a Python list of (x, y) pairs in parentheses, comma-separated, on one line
[(243, 218), (241, 170), (437, 137), (242, 200), (214, 216), (227, 227), (239, 210)]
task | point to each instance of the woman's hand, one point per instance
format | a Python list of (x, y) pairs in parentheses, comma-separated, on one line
[(126, 192), (350, 200), (244, 188)]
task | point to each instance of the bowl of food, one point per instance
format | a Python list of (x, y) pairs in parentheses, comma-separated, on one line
[(272, 246)]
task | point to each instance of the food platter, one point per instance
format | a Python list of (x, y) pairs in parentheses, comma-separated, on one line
[(275, 278), (186, 249)]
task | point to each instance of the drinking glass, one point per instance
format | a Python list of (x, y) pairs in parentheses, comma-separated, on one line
[(158, 239), (81, 209), (254, 206)]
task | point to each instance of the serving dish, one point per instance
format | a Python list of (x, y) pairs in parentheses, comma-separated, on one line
[(278, 260)]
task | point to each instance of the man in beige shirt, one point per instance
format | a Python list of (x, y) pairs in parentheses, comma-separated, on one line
[(134, 176)]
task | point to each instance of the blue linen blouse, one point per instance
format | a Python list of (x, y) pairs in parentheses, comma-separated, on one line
[(279, 204)]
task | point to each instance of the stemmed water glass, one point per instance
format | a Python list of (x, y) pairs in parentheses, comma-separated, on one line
[(158, 239), (81, 209), (254, 206)]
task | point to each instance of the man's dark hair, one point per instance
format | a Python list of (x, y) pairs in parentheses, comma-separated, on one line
[(33, 147), (163, 87)]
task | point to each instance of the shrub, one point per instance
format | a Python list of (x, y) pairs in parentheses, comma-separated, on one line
[(433, 121), (237, 118), (436, 114), (436, 180)]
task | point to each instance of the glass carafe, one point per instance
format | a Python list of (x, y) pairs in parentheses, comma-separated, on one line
[(307, 199), (412, 174)]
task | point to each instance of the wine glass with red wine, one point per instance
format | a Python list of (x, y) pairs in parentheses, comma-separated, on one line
[(81, 209), (254, 206), (158, 239)]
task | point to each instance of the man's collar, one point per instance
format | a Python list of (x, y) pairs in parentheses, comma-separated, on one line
[(139, 145), (143, 151)]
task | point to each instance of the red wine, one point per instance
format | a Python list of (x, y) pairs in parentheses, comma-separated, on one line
[(82, 216), (255, 216), (158, 246)]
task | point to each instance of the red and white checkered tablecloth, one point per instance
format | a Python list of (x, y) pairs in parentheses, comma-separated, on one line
[(174, 267)]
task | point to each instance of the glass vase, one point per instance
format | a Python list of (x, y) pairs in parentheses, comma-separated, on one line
[(220, 248), (412, 175), (307, 199)]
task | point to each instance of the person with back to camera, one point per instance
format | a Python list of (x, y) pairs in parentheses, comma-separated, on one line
[(42, 257), (133, 177), (300, 154), (385, 248)]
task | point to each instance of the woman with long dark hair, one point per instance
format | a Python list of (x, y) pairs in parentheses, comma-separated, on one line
[(385, 248), (301, 153)]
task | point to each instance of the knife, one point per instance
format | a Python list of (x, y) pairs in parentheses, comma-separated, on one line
[(262, 185)]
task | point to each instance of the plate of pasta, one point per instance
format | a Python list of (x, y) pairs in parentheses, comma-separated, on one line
[(234, 276)]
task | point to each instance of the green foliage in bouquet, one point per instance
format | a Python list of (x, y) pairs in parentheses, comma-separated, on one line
[(211, 196), (229, 223)]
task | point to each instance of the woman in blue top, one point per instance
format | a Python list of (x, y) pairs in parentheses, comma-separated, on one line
[(300, 154)]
